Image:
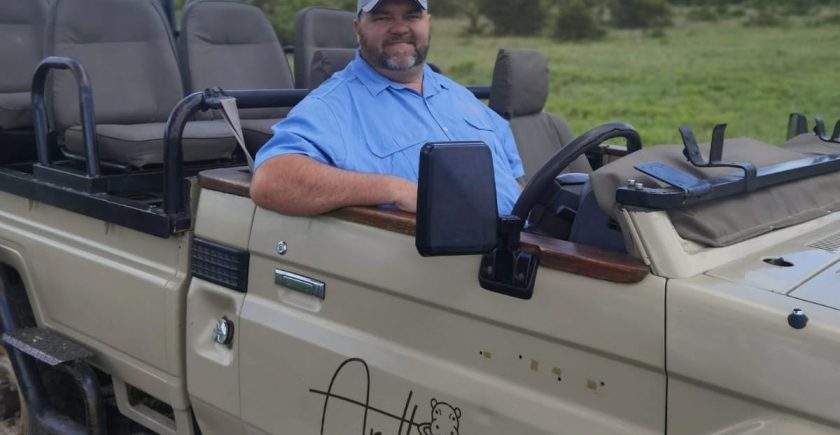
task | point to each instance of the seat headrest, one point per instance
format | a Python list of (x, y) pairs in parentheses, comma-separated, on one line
[(317, 28), (520, 83)]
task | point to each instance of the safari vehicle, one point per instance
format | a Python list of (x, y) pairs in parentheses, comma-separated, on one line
[(665, 291)]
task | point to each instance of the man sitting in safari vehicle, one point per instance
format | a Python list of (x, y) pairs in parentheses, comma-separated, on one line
[(356, 139)]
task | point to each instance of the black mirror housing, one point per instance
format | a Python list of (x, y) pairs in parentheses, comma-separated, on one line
[(456, 200)]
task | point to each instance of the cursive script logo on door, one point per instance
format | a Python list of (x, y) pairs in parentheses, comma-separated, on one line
[(354, 375)]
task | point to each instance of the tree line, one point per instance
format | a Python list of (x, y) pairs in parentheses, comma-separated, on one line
[(567, 19)]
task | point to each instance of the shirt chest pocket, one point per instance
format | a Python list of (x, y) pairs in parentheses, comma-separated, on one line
[(478, 129), (398, 154)]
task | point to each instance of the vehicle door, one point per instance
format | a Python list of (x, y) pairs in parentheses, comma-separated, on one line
[(346, 329)]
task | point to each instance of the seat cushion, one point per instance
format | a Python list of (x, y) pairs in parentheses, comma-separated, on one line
[(15, 110), (142, 144), (257, 132)]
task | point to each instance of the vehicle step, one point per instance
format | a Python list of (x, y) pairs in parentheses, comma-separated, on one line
[(46, 345)]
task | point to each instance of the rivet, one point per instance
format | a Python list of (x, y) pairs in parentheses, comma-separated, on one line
[(282, 247), (797, 319)]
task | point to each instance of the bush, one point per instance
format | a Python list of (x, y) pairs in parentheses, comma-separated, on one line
[(640, 14), (764, 16), (576, 21), (515, 17), (704, 13)]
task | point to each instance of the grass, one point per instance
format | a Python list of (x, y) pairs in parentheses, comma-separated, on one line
[(698, 74)]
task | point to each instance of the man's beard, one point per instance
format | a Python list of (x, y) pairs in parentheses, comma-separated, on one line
[(404, 60)]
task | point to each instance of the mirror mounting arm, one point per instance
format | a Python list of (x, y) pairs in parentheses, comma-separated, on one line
[(508, 269)]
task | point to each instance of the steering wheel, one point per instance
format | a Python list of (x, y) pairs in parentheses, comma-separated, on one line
[(565, 156)]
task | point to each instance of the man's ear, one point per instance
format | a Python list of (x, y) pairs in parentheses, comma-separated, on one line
[(356, 29)]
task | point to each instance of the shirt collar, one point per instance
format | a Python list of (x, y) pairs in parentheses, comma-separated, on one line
[(376, 83)]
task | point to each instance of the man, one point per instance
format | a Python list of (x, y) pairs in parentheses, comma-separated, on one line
[(356, 139)]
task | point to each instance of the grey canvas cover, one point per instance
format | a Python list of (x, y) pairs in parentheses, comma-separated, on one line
[(810, 144), (734, 219), (318, 28), (128, 52), (232, 45), (518, 92), (21, 48)]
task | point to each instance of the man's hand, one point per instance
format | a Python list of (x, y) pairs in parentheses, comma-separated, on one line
[(404, 193), (297, 185)]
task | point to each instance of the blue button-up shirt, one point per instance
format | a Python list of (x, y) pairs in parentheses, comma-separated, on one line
[(361, 121)]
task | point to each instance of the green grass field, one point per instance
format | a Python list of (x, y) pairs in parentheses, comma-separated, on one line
[(699, 74)]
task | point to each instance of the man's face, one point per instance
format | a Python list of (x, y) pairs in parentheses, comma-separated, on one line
[(395, 35)]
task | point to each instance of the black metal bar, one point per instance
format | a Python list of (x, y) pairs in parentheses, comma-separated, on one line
[(480, 92), (797, 124), (730, 184), (173, 154), (121, 211), (173, 189), (86, 110), (29, 379)]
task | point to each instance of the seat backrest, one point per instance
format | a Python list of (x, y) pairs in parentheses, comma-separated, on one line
[(232, 45), (128, 52), (518, 93), (21, 48), (328, 61), (319, 28)]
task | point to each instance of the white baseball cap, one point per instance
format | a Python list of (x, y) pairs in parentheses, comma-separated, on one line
[(368, 5)]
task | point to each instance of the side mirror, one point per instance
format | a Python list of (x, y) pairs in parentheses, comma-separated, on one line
[(456, 200)]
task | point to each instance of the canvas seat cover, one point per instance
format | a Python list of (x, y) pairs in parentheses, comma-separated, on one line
[(128, 52), (317, 28), (21, 48), (737, 218), (328, 61), (518, 92)]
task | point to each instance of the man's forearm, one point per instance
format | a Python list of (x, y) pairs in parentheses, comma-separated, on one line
[(300, 186)]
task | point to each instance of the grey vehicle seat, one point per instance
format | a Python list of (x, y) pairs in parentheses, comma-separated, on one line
[(21, 48), (232, 45), (518, 93), (318, 28), (328, 61), (129, 55)]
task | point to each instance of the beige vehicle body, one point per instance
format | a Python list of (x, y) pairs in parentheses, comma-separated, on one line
[(197, 311), (674, 337)]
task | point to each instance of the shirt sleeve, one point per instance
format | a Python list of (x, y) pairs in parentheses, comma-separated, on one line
[(503, 130), (311, 130)]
